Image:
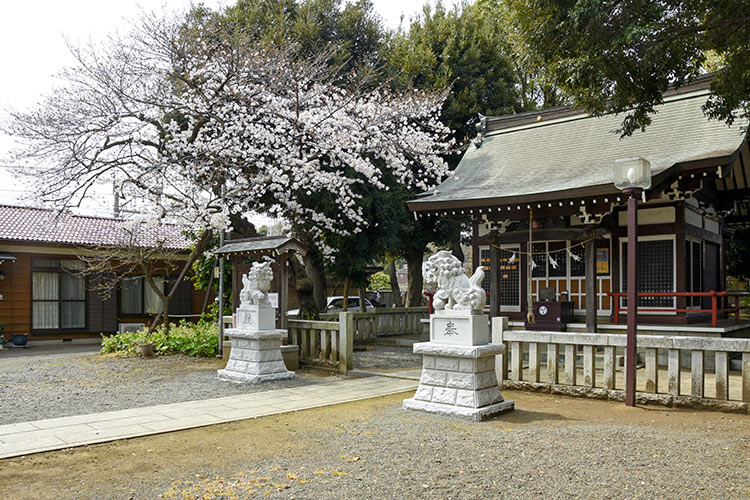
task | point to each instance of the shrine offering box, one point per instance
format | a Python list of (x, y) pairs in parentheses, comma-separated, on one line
[(551, 316)]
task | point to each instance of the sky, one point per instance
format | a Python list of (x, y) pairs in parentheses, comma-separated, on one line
[(33, 38)]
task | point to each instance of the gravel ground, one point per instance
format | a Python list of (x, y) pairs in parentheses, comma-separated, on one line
[(386, 358), (552, 448), (395, 454), (43, 383)]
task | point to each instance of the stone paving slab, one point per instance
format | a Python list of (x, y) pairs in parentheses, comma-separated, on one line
[(66, 432)]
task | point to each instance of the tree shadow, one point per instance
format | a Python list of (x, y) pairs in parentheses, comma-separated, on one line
[(526, 417)]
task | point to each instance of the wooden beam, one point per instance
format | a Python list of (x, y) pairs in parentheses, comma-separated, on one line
[(494, 281), (591, 288), (557, 234), (702, 234)]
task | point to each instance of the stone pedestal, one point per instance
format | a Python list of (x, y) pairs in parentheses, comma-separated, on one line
[(256, 317), (459, 328), (459, 381), (255, 356)]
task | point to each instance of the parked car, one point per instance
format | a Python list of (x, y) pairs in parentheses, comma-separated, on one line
[(336, 303)]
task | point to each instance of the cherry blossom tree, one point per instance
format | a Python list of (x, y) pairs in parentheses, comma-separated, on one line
[(200, 124)]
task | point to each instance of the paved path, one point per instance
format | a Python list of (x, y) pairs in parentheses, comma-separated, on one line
[(58, 433)]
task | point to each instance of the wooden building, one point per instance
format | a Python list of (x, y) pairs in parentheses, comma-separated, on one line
[(43, 294), (538, 188)]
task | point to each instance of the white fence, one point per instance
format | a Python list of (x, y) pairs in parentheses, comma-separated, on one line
[(656, 385)]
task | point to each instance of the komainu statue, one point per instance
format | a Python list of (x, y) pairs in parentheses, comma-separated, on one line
[(256, 283), (455, 290)]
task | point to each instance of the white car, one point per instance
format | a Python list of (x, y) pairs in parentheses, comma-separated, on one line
[(336, 303)]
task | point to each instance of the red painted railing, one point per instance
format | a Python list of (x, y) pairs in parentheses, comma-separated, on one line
[(717, 298)]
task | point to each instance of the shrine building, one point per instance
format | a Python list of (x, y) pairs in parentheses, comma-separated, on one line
[(548, 222)]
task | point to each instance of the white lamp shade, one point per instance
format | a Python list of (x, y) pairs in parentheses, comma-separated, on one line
[(632, 173)]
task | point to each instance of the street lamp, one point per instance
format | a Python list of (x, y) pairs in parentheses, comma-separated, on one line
[(632, 176)]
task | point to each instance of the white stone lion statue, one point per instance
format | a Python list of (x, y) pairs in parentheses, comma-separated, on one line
[(256, 283), (455, 291)]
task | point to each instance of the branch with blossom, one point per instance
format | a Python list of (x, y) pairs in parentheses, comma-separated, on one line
[(198, 123)]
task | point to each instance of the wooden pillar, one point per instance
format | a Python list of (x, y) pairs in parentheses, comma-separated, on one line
[(236, 281), (679, 257), (283, 261), (591, 288), (523, 262), (494, 281), (475, 257)]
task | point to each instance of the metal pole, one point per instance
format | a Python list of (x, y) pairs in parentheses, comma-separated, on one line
[(116, 202), (221, 296), (632, 297)]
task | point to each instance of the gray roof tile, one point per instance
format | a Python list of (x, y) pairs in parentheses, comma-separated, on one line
[(580, 151), (26, 224)]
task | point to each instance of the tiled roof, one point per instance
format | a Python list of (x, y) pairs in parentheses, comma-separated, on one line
[(39, 225), (580, 151), (264, 244)]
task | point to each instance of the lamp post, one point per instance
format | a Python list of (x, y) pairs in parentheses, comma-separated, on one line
[(632, 176)]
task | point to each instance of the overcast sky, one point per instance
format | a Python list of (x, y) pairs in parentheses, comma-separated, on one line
[(32, 37)]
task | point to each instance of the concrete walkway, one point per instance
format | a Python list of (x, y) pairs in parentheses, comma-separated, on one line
[(59, 433)]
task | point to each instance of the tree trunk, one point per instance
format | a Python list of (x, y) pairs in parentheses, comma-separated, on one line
[(198, 249), (241, 227), (308, 309), (314, 269), (362, 307), (394, 284), (345, 302), (164, 313), (209, 289), (456, 249), (414, 259)]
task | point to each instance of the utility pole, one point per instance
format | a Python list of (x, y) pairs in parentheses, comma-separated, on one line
[(221, 296), (221, 286), (116, 203)]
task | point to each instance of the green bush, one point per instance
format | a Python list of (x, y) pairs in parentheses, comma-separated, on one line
[(379, 281), (192, 339)]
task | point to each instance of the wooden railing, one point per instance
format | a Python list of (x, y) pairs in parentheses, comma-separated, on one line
[(384, 321), (324, 344), (564, 378), (719, 303)]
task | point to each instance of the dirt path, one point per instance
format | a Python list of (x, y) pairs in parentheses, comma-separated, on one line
[(551, 448)]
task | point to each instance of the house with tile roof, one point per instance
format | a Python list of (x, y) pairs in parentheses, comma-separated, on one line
[(44, 294), (548, 220)]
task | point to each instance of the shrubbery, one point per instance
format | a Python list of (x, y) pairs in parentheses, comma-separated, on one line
[(192, 339)]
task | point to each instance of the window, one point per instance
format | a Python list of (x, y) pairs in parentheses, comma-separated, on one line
[(539, 260), (557, 262), (58, 295), (655, 271), (577, 259), (509, 281), (693, 271), (138, 297)]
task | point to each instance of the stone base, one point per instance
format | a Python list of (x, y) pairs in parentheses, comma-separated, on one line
[(255, 357), (474, 414), (253, 379), (459, 381)]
